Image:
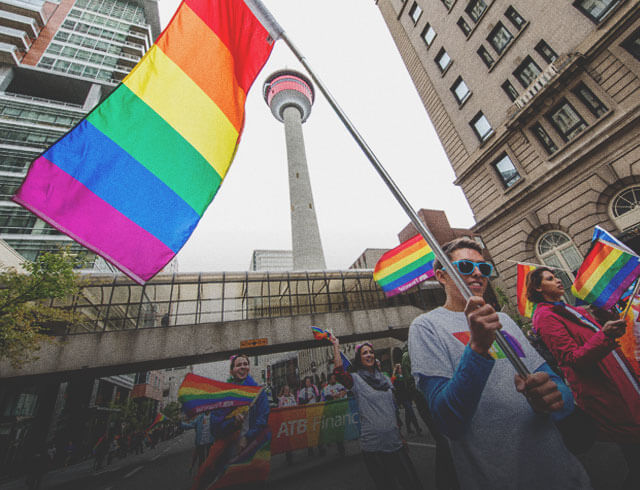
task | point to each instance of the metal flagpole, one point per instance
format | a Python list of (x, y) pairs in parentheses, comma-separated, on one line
[(277, 32)]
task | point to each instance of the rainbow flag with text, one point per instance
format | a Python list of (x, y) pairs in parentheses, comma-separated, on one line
[(403, 267), (132, 180), (199, 394)]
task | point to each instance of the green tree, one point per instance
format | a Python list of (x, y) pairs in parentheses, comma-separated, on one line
[(172, 411), (24, 303)]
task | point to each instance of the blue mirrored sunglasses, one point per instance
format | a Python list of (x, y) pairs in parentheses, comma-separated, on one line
[(466, 267)]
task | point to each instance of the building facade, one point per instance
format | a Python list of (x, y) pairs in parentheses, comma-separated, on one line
[(58, 60), (536, 105)]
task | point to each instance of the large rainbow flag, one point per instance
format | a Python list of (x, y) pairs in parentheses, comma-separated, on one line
[(605, 274), (403, 267), (132, 180), (198, 394), (525, 307)]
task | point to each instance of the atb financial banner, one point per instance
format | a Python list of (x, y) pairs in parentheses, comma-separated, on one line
[(305, 426)]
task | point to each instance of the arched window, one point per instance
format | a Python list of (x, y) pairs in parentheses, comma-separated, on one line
[(625, 208), (556, 249)]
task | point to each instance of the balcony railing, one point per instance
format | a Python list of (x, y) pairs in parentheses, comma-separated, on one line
[(109, 303)]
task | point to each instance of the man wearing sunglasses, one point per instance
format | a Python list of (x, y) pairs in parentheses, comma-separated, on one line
[(502, 436)]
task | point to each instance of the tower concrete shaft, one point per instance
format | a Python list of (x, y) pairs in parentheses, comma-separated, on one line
[(290, 96), (305, 234)]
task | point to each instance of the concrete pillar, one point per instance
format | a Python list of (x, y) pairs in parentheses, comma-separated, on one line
[(93, 97), (305, 234)]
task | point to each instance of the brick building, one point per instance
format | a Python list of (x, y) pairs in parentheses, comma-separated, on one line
[(537, 106)]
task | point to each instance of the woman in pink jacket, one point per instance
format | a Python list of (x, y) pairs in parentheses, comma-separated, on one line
[(603, 382)]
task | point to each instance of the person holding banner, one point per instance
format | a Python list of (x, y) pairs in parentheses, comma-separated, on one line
[(588, 353), (222, 424), (502, 436), (384, 452)]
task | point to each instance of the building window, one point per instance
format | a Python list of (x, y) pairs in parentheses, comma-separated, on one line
[(596, 10), (481, 126), (460, 90), (475, 9), (632, 44), (625, 208), (464, 27), (545, 51), (428, 35), (543, 137), (527, 72), (487, 59), (499, 38), (443, 60), (557, 250), (588, 98), (515, 18), (510, 90), (566, 120), (415, 12), (506, 170), (448, 3)]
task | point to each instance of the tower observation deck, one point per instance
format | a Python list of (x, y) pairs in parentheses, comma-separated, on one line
[(290, 95)]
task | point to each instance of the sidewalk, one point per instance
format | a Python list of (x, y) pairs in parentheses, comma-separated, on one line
[(61, 475)]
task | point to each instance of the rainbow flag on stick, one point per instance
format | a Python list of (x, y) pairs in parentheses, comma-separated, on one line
[(320, 334), (132, 180), (160, 417), (198, 394), (403, 267), (605, 274), (525, 307)]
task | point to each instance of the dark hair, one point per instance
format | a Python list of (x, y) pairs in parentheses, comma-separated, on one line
[(532, 283), (457, 244), (234, 357), (357, 361)]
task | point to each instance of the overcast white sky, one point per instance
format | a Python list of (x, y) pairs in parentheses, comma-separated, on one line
[(347, 44)]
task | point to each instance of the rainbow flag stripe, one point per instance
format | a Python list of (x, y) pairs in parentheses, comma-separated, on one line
[(404, 266), (525, 307), (630, 341), (320, 334), (198, 394), (132, 180), (495, 351), (605, 274)]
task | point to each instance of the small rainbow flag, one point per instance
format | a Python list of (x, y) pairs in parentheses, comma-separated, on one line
[(320, 334), (198, 394), (403, 267), (605, 274), (132, 180), (525, 307), (160, 417)]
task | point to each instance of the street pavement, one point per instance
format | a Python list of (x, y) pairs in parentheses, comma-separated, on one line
[(168, 467)]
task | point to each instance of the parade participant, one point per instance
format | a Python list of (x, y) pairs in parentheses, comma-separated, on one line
[(502, 436), (286, 398), (222, 425), (404, 399), (334, 390), (204, 438), (308, 393), (600, 377), (445, 477), (385, 455)]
